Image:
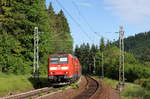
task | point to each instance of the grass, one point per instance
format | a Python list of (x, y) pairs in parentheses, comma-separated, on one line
[(131, 90), (10, 83), (17, 83), (74, 85), (111, 82)]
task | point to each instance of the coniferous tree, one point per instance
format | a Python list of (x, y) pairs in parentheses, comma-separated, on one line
[(17, 21), (102, 44), (108, 44)]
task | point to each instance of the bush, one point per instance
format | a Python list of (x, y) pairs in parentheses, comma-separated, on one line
[(133, 90), (144, 83), (136, 71)]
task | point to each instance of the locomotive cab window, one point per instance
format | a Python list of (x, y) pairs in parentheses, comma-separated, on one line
[(54, 60), (63, 60), (58, 60)]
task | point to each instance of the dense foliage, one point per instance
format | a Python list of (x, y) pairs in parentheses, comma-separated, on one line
[(144, 83), (17, 21), (86, 55), (134, 69), (139, 45)]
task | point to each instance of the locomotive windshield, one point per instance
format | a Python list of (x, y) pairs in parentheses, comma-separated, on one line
[(63, 60), (58, 60), (54, 59)]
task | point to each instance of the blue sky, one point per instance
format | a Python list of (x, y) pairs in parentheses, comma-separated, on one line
[(104, 17)]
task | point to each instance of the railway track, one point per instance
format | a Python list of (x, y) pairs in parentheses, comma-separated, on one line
[(31, 94), (91, 88)]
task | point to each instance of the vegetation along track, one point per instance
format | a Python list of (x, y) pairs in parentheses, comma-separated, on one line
[(33, 94), (91, 88)]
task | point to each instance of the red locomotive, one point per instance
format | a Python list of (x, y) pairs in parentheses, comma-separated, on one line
[(63, 68)]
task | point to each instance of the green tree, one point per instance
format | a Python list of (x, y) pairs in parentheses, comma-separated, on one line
[(102, 45), (17, 21)]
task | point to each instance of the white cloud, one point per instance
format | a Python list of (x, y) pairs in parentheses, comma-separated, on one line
[(134, 11), (86, 4)]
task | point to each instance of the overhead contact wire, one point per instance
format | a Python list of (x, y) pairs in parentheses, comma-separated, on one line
[(73, 20)]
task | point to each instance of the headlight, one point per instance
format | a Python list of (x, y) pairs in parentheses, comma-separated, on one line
[(52, 72), (65, 68), (66, 72), (53, 68)]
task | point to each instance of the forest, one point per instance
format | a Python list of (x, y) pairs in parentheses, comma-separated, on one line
[(17, 21), (137, 63), (139, 45)]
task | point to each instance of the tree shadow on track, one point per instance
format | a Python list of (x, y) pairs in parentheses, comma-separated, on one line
[(39, 82)]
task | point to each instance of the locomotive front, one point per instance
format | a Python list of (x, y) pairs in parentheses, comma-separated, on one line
[(59, 68)]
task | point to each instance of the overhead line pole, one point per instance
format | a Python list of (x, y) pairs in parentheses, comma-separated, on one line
[(36, 53), (102, 65), (121, 59), (94, 65)]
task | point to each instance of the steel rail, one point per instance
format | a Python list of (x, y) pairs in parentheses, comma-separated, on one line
[(28, 94)]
